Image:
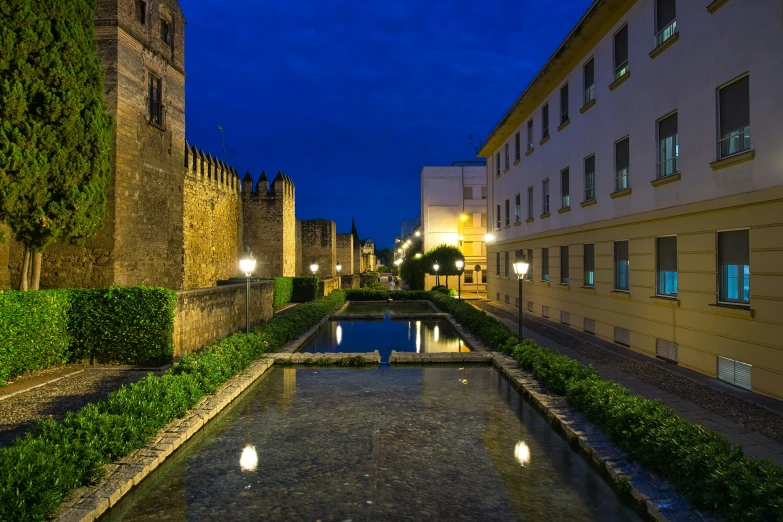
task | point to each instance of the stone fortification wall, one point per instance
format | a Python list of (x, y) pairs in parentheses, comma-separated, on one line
[(318, 241), (350, 281), (205, 315), (345, 253), (327, 286), (357, 258), (212, 217), (270, 224)]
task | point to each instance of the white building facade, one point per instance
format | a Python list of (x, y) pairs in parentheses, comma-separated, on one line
[(454, 212), (674, 252)]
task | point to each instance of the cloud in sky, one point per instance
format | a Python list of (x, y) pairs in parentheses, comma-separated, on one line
[(345, 96)]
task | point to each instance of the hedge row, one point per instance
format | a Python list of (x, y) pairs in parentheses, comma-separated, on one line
[(381, 294), (43, 467), (703, 465), (305, 289), (284, 289), (43, 328), (33, 331)]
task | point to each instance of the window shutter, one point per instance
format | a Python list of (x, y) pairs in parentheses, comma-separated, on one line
[(621, 251), (734, 248), (735, 106), (665, 13), (564, 262), (545, 262), (621, 47), (667, 127), (589, 257), (667, 254), (622, 159)]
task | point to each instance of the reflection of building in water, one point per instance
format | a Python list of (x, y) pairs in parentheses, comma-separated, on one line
[(289, 385), (435, 336)]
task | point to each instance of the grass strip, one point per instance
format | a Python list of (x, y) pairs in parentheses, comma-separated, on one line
[(711, 472), (41, 468)]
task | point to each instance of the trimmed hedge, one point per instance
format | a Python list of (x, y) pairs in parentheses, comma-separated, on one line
[(703, 465), (284, 289), (372, 294), (304, 289), (43, 467), (33, 331), (133, 325)]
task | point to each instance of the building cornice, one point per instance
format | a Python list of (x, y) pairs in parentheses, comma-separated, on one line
[(596, 23)]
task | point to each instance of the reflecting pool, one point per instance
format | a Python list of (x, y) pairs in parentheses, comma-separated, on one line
[(384, 444), (402, 335)]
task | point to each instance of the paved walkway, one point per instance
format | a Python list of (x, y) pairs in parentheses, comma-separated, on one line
[(750, 421)]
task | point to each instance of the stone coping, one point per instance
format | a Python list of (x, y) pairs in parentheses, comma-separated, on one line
[(424, 315), (222, 288), (324, 359), (439, 357), (359, 317)]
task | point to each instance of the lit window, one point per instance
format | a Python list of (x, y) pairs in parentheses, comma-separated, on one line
[(734, 259), (589, 265), (666, 260), (668, 146), (621, 265)]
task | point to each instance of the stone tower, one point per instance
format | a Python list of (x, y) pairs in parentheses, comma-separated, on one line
[(141, 48), (270, 224)]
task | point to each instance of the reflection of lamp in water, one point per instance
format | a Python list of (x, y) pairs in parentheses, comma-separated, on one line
[(418, 336), (249, 459), (339, 334), (437, 333), (522, 453)]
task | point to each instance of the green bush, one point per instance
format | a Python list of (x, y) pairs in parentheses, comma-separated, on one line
[(703, 465), (284, 289), (445, 290), (304, 289), (133, 325), (42, 467), (382, 294), (412, 271), (33, 331)]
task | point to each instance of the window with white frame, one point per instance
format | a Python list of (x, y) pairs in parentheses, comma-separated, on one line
[(734, 117), (622, 164), (498, 217), (589, 81), (734, 266), (565, 189), (518, 208), (621, 53), (545, 197), (666, 265), (497, 264), (563, 104), (508, 217), (530, 264), (497, 164), (590, 178), (516, 147), (530, 202), (529, 134), (621, 266), (507, 165), (668, 146), (507, 264), (545, 264), (564, 277), (545, 121), (589, 265), (665, 20)]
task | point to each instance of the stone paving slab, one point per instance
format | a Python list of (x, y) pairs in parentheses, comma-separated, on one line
[(754, 444)]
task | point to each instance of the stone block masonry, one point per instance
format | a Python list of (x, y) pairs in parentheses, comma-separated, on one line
[(318, 241), (206, 315), (212, 220), (327, 286), (345, 253)]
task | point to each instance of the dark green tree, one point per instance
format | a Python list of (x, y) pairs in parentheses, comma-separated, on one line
[(446, 256), (54, 129), (355, 233)]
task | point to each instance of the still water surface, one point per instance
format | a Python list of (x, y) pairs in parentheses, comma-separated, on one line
[(384, 444)]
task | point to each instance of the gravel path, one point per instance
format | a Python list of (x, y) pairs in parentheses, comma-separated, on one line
[(19, 413), (742, 412)]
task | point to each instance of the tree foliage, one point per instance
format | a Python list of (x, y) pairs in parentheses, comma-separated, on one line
[(446, 257), (54, 129)]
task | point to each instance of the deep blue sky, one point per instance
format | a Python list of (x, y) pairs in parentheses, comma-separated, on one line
[(349, 97)]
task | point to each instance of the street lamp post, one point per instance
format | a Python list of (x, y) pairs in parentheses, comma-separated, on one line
[(435, 267), (520, 269), (247, 263), (339, 282), (314, 270), (460, 265)]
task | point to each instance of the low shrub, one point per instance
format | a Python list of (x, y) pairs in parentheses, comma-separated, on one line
[(445, 290), (132, 325), (42, 467), (33, 331), (703, 465), (283, 291), (304, 289), (371, 294), (379, 286)]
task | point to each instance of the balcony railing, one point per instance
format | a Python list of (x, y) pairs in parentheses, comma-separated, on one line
[(622, 182), (621, 70), (735, 142), (589, 94), (666, 33), (668, 167)]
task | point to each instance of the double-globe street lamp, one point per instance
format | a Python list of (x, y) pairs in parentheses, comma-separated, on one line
[(460, 262), (520, 269), (247, 263)]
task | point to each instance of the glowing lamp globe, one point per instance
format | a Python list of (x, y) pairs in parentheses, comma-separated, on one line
[(460, 263), (520, 265), (247, 263), (339, 266), (314, 267), (489, 238)]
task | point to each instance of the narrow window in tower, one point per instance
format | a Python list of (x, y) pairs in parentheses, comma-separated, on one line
[(155, 101)]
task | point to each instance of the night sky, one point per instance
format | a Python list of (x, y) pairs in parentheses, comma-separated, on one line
[(352, 98)]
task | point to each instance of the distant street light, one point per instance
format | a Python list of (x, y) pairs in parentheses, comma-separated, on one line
[(489, 238), (435, 267), (460, 265), (417, 233), (339, 267), (247, 263), (520, 269)]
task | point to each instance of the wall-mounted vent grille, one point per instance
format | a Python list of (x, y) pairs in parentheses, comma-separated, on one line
[(565, 318), (589, 326), (622, 336), (530, 306), (545, 311), (667, 350), (735, 372)]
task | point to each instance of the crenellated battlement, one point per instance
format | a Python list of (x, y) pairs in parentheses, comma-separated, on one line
[(204, 167)]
